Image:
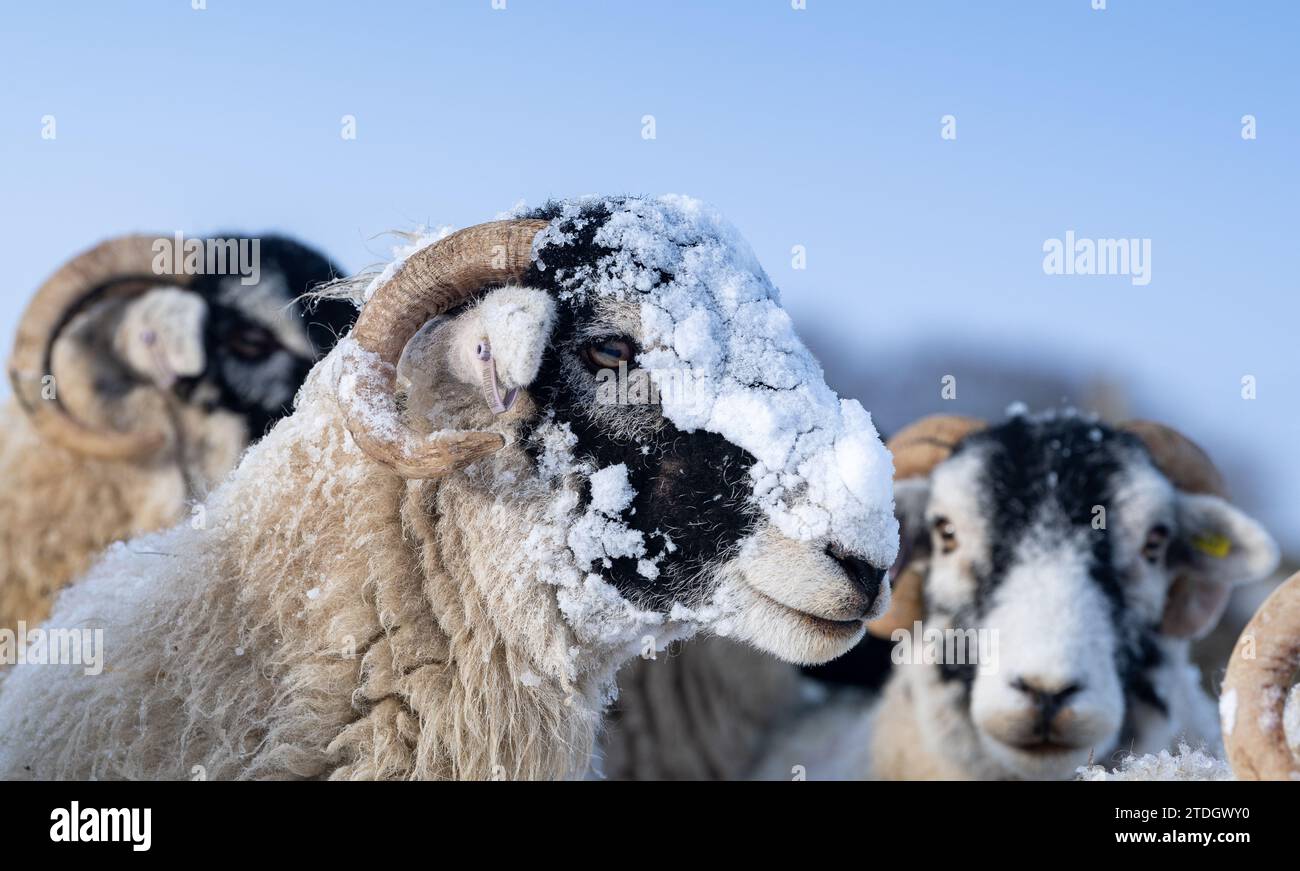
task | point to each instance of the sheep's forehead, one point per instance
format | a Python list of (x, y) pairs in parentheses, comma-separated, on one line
[(1064, 491), (1050, 477)]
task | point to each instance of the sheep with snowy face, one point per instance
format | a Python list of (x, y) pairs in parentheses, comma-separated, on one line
[(136, 388), (434, 566), (1071, 563)]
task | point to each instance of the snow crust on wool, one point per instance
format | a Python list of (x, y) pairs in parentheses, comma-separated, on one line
[(1186, 764), (1228, 712), (726, 359), (568, 546)]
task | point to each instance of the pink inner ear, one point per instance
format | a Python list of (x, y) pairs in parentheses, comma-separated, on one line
[(1193, 607)]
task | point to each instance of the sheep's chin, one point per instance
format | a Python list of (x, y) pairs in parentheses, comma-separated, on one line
[(791, 600), (1039, 764), (788, 634)]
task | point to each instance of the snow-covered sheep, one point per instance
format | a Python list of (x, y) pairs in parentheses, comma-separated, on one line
[(135, 390), (434, 569), (1058, 570)]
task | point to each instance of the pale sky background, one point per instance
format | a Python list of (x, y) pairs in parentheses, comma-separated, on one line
[(817, 128)]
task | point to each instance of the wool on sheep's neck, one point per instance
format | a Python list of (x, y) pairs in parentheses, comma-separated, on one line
[(476, 675), (462, 668), (325, 619)]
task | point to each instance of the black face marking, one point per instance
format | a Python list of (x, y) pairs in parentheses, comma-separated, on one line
[(261, 387), (1058, 468), (1054, 471), (692, 488)]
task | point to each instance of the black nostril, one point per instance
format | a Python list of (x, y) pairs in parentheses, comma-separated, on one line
[(1047, 701), (864, 575)]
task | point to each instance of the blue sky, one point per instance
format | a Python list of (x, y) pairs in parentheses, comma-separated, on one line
[(817, 127)]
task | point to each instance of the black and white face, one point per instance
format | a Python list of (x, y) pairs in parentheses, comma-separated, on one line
[(259, 341), (1060, 536), (805, 600), (666, 517)]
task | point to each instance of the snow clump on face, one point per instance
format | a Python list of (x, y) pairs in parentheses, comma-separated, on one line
[(726, 359)]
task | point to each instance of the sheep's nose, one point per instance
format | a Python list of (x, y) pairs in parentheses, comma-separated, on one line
[(863, 574), (1049, 700)]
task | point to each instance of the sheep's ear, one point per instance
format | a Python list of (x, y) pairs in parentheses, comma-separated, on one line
[(160, 335), (1218, 547), (419, 355), (910, 498)]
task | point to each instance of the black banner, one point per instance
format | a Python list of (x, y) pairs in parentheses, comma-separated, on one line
[(917, 820)]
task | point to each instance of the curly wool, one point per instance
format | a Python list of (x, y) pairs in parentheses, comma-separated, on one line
[(58, 509), (331, 620)]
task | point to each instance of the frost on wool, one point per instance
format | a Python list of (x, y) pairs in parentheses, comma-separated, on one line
[(1228, 712), (713, 322), (562, 548), (1187, 764)]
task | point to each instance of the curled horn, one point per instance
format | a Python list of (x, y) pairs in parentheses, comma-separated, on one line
[(1178, 458), (1256, 686), (430, 282), (117, 269), (917, 449)]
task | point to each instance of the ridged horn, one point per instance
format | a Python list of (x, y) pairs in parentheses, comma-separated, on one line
[(1178, 458), (1256, 686), (430, 282), (119, 268), (917, 449)]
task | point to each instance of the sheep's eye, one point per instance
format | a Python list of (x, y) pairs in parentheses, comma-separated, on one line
[(251, 342), (947, 534), (1154, 547), (608, 353)]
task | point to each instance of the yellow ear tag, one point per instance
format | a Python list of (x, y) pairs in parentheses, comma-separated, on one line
[(1213, 544)]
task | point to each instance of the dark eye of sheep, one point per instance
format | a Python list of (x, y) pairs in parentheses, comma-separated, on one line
[(608, 353), (251, 342), (1154, 547), (947, 534)]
